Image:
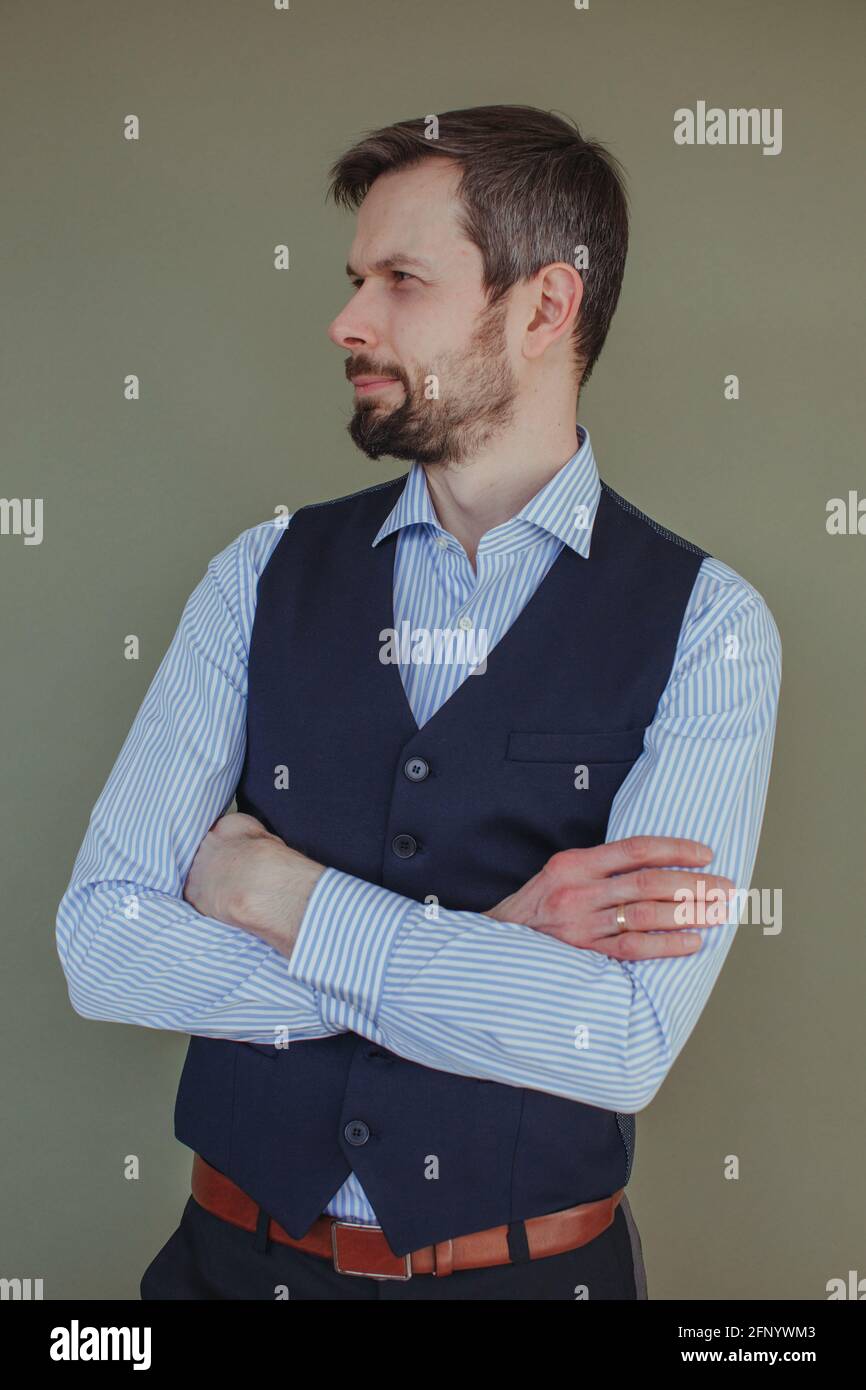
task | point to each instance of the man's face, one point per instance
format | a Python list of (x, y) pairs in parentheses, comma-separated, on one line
[(429, 357)]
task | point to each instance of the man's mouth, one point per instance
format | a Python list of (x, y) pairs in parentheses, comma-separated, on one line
[(366, 385)]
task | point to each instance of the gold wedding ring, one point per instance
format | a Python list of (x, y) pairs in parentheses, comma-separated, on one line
[(620, 918)]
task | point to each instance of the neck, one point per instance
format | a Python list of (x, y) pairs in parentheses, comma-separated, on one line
[(472, 497)]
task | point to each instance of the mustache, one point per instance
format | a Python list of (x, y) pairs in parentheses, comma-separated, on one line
[(362, 366)]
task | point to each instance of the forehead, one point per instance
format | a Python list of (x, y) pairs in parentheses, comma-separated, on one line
[(414, 211)]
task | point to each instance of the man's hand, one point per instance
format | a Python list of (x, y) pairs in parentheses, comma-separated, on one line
[(247, 877), (575, 897)]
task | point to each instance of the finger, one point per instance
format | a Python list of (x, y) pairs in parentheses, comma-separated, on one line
[(644, 851), (634, 946), (661, 885), (651, 916)]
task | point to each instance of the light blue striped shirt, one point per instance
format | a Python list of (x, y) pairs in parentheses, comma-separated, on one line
[(462, 993)]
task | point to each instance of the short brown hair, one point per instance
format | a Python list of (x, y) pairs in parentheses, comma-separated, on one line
[(533, 189)]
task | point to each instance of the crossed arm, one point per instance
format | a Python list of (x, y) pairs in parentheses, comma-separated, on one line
[(465, 993)]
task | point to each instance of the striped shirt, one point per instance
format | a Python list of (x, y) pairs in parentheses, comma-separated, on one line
[(462, 993)]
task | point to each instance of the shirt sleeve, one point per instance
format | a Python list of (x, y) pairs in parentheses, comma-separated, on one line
[(132, 949), (464, 993)]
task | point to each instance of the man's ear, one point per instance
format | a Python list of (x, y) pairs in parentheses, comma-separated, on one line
[(556, 294)]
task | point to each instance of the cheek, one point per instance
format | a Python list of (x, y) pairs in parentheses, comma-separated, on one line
[(424, 331)]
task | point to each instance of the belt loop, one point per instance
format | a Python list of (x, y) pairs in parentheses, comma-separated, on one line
[(443, 1257), (263, 1222), (518, 1243)]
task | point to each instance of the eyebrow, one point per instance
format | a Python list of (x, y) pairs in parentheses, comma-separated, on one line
[(396, 261)]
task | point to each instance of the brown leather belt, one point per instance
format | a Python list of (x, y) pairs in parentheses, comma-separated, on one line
[(362, 1249)]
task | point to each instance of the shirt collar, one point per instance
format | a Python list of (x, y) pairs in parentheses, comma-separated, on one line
[(565, 507)]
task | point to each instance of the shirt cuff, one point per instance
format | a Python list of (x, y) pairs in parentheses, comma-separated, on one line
[(345, 938)]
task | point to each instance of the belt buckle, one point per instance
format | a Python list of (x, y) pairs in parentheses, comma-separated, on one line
[(363, 1273)]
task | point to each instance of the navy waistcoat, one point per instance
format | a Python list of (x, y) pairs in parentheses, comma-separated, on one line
[(575, 680)]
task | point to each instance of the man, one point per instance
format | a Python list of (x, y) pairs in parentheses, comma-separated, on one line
[(437, 961)]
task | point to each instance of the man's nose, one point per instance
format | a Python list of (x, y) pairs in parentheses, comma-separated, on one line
[(353, 329)]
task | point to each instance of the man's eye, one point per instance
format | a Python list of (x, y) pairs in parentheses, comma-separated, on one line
[(402, 275)]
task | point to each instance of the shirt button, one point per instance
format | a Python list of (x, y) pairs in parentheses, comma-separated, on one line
[(441, 542), (404, 846), (464, 622), (416, 769), (356, 1133)]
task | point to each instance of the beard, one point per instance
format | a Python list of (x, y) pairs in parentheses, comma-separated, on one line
[(478, 390)]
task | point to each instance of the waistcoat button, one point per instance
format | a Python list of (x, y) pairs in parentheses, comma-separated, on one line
[(404, 846), (416, 769), (356, 1133)]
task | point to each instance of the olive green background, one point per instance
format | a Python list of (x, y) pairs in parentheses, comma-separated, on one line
[(155, 257)]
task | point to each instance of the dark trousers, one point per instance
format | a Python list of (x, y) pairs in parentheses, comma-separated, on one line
[(207, 1257)]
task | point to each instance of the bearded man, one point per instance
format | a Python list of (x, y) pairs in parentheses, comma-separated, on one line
[(441, 954)]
